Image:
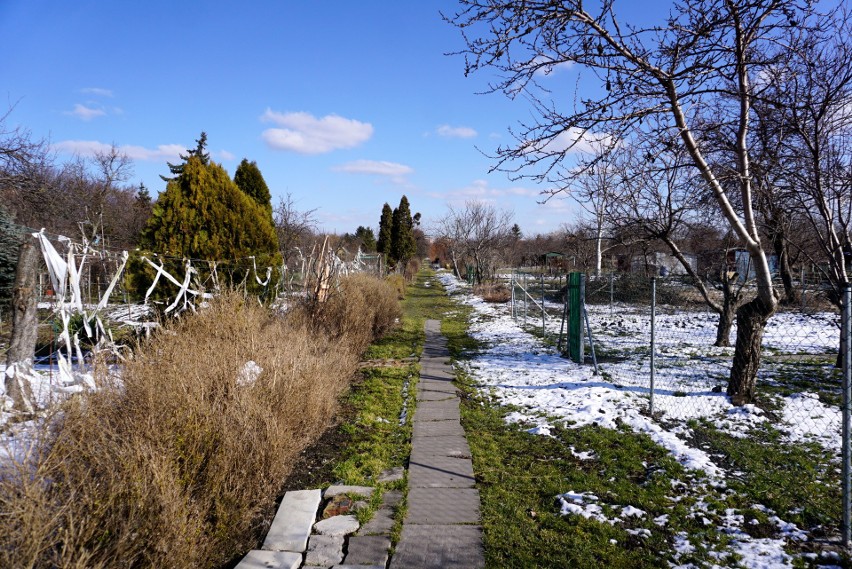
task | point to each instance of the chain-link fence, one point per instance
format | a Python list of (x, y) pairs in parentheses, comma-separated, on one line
[(666, 340)]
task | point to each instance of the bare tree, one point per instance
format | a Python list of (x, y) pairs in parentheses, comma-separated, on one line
[(294, 227), (477, 234), (696, 73)]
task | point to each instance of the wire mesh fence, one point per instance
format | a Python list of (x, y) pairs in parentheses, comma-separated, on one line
[(665, 340)]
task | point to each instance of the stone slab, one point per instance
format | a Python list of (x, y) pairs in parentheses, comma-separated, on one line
[(336, 489), (347, 566), (368, 550), (391, 474), (436, 429), (429, 506), (439, 547), (391, 499), (259, 559), (380, 524), (293, 521), (436, 394), (447, 410), (441, 472), (452, 446), (324, 550), (337, 525)]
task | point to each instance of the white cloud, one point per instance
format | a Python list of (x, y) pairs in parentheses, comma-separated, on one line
[(97, 91), (549, 67), (378, 168), (306, 134), (224, 155), (85, 113), (448, 131), (92, 147), (572, 140), (481, 190)]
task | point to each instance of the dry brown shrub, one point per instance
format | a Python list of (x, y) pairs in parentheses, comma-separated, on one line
[(179, 463), (411, 270), (397, 282), (493, 292)]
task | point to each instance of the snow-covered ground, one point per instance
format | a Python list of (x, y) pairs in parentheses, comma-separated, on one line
[(519, 370)]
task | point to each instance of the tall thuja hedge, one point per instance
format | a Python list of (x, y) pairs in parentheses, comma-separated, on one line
[(203, 215), (403, 247), (249, 179)]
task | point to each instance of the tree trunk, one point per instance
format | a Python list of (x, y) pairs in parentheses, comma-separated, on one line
[(779, 243), (726, 322), (19, 358), (751, 322)]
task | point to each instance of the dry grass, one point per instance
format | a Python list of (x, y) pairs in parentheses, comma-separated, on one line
[(179, 464), (493, 292)]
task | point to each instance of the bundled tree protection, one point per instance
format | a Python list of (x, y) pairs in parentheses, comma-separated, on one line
[(698, 74), (204, 215), (403, 246)]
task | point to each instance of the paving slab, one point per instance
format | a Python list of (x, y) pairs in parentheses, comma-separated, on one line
[(454, 446), (391, 474), (293, 521), (446, 410), (380, 524), (348, 566), (426, 394), (324, 551), (368, 550), (336, 489), (337, 525), (439, 547), (259, 559), (441, 472), (436, 429), (429, 506)]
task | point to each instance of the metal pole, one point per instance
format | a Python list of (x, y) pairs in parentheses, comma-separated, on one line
[(653, 338), (582, 306), (542, 305), (803, 289), (512, 281), (525, 299), (610, 293), (846, 354)]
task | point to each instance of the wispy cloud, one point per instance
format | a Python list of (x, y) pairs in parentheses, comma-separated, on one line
[(571, 140), (92, 147), (306, 134), (481, 190), (85, 113), (224, 155), (549, 67), (378, 168), (97, 91), (448, 131)]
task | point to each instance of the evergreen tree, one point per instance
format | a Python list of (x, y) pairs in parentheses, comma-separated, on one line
[(403, 246), (367, 238), (249, 179), (143, 196), (11, 236), (200, 151), (383, 243), (202, 214)]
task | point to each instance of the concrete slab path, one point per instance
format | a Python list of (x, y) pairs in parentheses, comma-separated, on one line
[(441, 529)]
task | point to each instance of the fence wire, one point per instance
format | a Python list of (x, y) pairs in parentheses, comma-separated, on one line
[(799, 384)]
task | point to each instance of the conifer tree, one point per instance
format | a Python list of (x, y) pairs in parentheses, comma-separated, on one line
[(200, 151), (249, 179), (202, 214), (383, 243), (403, 246), (367, 238)]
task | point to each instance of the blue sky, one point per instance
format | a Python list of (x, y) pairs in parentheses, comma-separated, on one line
[(346, 105)]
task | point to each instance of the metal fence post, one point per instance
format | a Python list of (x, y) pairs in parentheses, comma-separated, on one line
[(611, 295), (525, 299), (846, 354), (512, 280), (542, 305), (653, 338)]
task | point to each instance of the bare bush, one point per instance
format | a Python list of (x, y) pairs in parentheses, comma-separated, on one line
[(178, 462)]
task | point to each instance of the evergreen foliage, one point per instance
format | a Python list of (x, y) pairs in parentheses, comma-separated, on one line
[(11, 236), (384, 241), (200, 151), (202, 214), (249, 179), (367, 238), (403, 246)]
